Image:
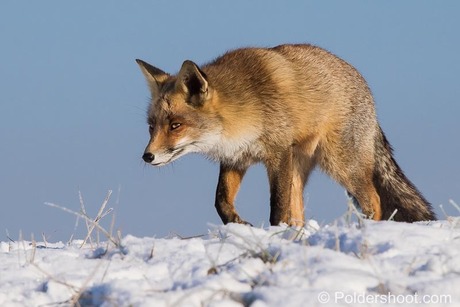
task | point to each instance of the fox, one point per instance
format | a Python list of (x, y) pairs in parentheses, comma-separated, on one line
[(292, 107)]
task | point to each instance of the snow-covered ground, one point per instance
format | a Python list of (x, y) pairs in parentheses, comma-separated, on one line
[(342, 264)]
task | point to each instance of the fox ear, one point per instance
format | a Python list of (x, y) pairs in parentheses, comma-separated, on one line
[(193, 82), (154, 76)]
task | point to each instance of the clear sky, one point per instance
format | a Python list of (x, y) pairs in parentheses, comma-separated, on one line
[(73, 101)]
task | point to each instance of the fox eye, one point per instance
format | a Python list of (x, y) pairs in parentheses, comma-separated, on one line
[(174, 126), (150, 128)]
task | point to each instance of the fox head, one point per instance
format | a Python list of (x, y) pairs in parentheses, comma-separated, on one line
[(180, 116)]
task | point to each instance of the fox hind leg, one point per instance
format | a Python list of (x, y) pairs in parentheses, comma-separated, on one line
[(355, 173), (353, 200), (366, 197)]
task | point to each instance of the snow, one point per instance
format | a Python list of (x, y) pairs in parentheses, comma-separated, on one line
[(361, 263)]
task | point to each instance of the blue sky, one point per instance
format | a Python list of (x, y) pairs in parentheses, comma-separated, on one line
[(73, 101)]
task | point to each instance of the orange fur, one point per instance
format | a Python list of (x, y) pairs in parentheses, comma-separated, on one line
[(291, 107)]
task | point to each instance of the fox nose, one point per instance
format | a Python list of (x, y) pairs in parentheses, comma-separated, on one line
[(148, 157)]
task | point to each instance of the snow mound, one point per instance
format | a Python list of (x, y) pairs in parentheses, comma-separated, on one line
[(342, 264)]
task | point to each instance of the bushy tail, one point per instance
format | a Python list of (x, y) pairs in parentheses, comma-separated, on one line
[(395, 190)]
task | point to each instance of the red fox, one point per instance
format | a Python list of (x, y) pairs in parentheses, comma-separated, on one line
[(290, 107)]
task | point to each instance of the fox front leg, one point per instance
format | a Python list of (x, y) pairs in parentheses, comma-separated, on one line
[(227, 188), (280, 173)]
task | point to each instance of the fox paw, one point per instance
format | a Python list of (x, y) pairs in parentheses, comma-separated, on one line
[(240, 221)]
